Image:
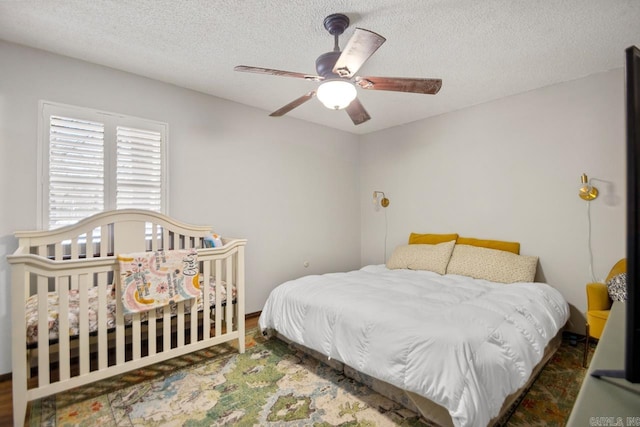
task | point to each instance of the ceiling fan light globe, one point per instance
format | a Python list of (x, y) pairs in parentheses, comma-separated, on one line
[(336, 94)]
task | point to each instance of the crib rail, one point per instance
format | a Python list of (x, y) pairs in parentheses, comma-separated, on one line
[(77, 263)]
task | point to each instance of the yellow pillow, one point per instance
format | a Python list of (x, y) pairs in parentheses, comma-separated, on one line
[(430, 239), (500, 245)]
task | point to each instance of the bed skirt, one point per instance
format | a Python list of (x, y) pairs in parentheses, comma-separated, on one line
[(429, 410)]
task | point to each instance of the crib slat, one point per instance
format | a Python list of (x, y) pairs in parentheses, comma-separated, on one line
[(154, 237), (165, 239), (63, 327), (74, 247), (239, 266), (229, 289), (119, 325), (58, 253), (83, 327), (41, 251), (136, 335), (180, 324), (43, 336), (166, 328), (103, 355), (104, 239), (89, 249), (206, 303), (194, 319), (151, 333), (218, 310)]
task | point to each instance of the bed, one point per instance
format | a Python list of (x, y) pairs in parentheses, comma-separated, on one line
[(427, 329), (70, 282)]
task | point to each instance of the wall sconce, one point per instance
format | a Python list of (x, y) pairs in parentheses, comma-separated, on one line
[(587, 191), (384, 202)]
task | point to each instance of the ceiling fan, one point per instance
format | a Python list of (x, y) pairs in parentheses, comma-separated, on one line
[(336, 70)]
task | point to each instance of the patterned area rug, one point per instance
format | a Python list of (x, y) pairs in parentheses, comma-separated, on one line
[(273, 385)]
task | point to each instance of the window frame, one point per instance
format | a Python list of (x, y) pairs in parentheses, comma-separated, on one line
[(111, 121)]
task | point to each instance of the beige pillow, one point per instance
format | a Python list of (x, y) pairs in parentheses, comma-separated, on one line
[(492, 264), (422, 257)]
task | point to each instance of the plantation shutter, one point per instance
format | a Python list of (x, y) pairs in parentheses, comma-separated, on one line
[(92, 161), (76, 170), (138, 169)]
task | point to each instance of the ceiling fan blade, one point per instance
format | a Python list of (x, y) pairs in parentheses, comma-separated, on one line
[(400, 84), (361, 45), (357, 112), (293, 104), (271, 71)]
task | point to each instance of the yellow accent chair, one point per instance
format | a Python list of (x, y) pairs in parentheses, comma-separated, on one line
[(598, 306)]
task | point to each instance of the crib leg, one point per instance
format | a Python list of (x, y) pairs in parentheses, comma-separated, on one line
[(19, 405), (241, 343), (241, 334), (20, 371)]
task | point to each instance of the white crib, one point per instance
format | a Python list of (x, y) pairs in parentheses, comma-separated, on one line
[(81, 260)]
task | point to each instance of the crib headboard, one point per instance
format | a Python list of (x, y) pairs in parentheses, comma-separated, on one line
[(112, 232)]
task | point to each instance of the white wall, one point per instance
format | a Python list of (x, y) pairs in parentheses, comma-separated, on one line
[(288, 186), (509, 170)]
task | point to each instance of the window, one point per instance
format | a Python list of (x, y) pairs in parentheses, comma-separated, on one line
[(93, 161)]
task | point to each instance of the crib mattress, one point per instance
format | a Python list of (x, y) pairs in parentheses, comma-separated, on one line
[(74, 309)]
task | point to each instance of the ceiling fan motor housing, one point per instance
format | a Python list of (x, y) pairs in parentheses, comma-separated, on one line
[(325, 63)]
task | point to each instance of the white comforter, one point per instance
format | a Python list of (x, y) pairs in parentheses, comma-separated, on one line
[(464, 343)]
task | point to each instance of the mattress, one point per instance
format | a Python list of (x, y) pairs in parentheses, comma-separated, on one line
[(74, 308), (466, 344)]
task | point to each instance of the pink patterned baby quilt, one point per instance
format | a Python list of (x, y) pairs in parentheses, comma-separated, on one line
[(155, 279)]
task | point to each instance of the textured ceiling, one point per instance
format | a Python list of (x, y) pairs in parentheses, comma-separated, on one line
[(482, 50)]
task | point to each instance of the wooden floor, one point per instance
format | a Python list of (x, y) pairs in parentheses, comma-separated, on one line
[(6, 405)]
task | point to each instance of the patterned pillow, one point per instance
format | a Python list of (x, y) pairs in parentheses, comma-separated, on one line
[(422, 257), (617, 287), (492, 264)]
